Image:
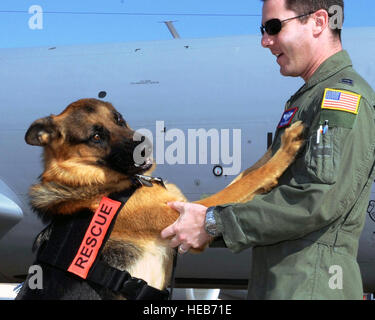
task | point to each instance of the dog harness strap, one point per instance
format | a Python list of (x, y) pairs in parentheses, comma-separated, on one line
[(95, 237), (173, 276), (65, 237), (137, 289), (106, 276), (76, 241), (121, 281)]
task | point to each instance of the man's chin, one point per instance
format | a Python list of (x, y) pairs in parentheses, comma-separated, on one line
[(288, 73)]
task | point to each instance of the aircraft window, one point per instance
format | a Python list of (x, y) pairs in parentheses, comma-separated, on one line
[(218, 171), (102, 94)]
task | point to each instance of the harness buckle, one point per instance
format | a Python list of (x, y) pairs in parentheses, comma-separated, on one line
[(133, 288)]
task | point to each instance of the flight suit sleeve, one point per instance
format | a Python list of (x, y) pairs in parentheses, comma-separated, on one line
[(315, 191)]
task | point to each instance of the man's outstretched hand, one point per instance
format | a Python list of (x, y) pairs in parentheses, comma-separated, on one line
[(188, 230)]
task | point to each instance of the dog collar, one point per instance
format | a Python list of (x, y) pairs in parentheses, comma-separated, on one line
[(75, 244), (148, 181)]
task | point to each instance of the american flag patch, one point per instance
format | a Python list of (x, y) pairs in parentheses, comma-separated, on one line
[(341, 100)]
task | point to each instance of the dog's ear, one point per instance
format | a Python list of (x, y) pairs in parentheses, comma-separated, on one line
[(41, 132)]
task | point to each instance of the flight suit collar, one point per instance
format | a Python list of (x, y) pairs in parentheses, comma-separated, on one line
[(327, 69)]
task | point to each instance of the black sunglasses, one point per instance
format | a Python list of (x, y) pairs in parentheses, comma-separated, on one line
[(273, 26)]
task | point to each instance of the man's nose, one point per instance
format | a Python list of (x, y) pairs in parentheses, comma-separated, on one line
[(267, 40)]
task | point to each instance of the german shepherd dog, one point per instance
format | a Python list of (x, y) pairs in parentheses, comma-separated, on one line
[(88, 154)]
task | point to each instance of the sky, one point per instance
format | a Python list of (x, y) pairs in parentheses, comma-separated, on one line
[(69, 22)]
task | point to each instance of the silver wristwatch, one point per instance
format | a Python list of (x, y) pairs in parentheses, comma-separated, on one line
[(210, 223)]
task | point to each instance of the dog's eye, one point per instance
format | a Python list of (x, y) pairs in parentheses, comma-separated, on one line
[(120, 120), (96, 137)]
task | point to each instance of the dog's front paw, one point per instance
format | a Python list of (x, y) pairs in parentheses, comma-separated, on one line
[(292, 139)]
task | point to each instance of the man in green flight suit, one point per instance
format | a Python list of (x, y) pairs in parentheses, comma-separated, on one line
[(304, 232)]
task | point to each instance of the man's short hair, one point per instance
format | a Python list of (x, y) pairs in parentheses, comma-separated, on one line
[(305, 6)]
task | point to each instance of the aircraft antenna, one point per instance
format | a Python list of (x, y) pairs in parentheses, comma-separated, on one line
[(172, 29)]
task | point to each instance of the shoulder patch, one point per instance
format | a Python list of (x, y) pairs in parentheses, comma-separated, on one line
[(287, 117), (341, 100)]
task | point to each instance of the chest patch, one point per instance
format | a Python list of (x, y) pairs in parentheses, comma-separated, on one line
[(287, 117), (341, 100)]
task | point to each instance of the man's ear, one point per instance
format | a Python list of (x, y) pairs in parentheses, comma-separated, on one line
[(321, 21), (41, 132)]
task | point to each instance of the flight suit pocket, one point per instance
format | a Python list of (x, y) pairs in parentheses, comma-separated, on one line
[(322, 157)]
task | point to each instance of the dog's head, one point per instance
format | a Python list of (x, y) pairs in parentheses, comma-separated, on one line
[(89, 143)]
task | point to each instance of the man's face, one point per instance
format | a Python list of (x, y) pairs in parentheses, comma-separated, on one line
[(292, 45)]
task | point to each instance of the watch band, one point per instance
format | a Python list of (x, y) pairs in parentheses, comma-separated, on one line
[(210, 223)]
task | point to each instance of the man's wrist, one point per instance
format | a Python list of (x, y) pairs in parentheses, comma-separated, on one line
[(210, 224)]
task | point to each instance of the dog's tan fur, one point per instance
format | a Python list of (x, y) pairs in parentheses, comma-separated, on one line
[(72, 179)]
